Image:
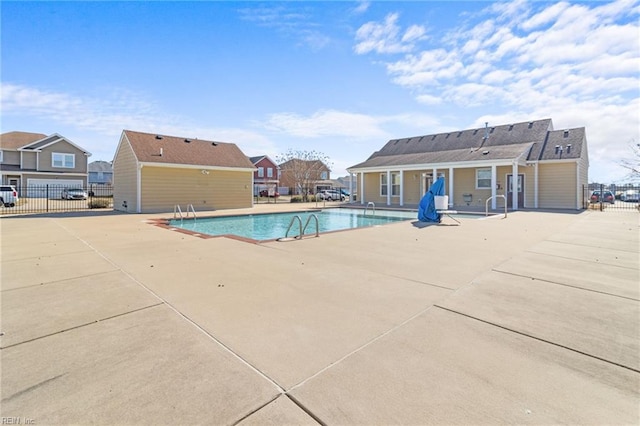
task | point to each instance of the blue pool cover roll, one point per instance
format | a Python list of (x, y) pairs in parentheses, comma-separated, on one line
[(427, 207)]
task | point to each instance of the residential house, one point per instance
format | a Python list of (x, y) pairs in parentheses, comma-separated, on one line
[(550, 167), (100, 173), (41, 166), (267, 175), (100, 178), (154, 173), (305, 176)]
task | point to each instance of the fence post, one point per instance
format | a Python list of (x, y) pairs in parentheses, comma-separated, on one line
[(601, 197), (47, 197)]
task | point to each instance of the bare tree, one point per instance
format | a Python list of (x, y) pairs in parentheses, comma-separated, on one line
[(302, 170), (632, 163)]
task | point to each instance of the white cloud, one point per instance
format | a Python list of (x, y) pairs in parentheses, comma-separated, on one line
[(327, 123), (575, 63), (362, 7), (385, 37), (107, 116)]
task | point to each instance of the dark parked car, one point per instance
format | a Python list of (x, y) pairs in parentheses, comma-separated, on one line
[(606, 197), (265, 193)]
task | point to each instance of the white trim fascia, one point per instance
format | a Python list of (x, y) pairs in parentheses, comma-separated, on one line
[(568, 160), (60, 138), (139, 166), (29, 172), (430, 166), (195, 166)]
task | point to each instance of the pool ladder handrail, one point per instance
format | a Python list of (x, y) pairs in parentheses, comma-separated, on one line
[(486, 205), (178, 211), (372, 204), (301, 228), (312, 216)]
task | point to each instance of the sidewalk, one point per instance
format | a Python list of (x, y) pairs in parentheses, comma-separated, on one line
[(533, 319)]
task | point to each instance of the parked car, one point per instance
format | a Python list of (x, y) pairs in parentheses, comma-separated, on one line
[(8, 196), (331, 195), (630, 196), (265, 193), (73, 194), (607, 197)]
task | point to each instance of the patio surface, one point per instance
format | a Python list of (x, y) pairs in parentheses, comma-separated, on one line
[(532, 319)]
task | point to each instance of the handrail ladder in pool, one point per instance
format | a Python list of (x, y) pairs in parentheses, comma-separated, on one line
[(486, 205), (307, 224), (178, 211), (190, 207), (300, 227), (286, 234), (373, 205)]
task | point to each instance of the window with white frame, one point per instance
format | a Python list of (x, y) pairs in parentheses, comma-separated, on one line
[(324, 175), (383, 184), (483, 178), (395, 184), (0, 156), (269, 172), (260, 171), (65, 161)]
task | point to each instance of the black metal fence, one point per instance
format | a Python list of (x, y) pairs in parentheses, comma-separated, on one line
[(57, 198), (612, 197)]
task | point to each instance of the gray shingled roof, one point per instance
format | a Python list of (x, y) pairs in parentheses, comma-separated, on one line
[(535, 139), (186, 151), (100, 166)]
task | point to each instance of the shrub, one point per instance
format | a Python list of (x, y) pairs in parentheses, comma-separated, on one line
[(296, 199), (99, 203)]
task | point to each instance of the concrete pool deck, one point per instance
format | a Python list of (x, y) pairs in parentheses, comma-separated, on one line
[(534, 319)]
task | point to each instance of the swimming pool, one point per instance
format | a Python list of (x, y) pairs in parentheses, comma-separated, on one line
[(271, 226)]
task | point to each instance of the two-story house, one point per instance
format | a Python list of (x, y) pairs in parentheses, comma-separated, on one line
[(42, 166), (305, 176), (266, 177)]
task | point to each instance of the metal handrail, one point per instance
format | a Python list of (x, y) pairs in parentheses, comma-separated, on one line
[(486, 205), (177, 209), (370, 203), (286, 235), (307, 224), (190, 207)]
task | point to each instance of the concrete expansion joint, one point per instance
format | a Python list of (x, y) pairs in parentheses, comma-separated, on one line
[(539, 339), (82, 325), (565, 285)]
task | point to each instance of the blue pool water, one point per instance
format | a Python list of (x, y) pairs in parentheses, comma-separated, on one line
[(273, 226)]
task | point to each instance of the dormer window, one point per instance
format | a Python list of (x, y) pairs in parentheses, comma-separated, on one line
[(63, 161)]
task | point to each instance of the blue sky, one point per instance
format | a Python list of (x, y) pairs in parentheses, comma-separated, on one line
[(337, 77)]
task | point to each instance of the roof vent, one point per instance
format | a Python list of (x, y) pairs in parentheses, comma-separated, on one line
[(531, 124), (158, 137), (568, 148), (558, 149), (511, 127), (566, 134), (187, 140), (214, 143), (485, 152), (460, 133)]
